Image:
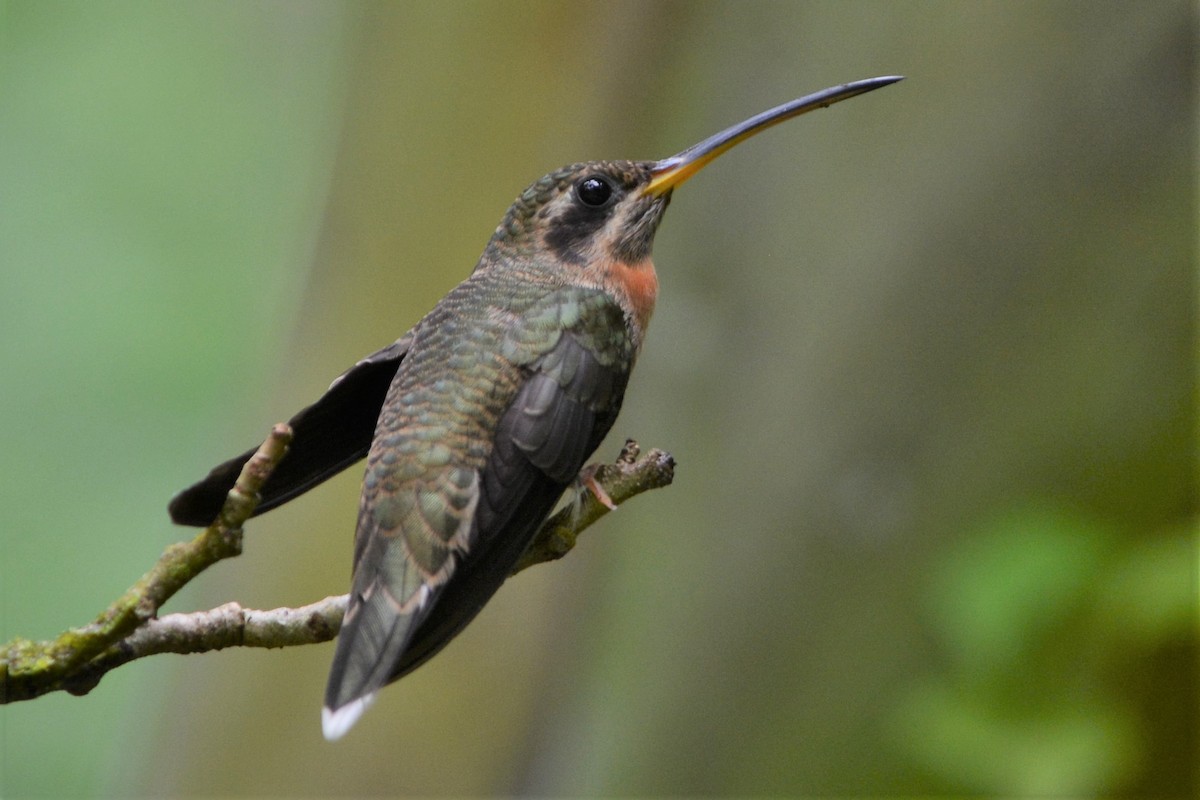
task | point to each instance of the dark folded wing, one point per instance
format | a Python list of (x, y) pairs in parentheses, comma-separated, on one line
[(330, 435), (558, 418)]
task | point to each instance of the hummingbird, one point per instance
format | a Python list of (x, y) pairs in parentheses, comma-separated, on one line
[(476, 421)]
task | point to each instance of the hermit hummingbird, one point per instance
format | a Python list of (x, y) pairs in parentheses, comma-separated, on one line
[(477, 420)]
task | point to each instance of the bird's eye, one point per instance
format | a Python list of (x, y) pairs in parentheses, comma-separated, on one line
[(594, 191)]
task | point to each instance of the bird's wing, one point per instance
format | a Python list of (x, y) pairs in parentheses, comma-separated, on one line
[(426, 564), (329, 435), (557, 421)]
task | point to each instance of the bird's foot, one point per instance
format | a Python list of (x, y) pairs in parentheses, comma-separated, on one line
[(587, 479)]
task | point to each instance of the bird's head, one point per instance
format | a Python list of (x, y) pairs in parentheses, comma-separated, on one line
[(598, 211)]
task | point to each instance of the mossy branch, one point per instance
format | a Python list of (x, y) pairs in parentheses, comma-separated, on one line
[(130, 628)]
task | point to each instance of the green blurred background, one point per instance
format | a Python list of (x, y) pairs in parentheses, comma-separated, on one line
[(926, 360)]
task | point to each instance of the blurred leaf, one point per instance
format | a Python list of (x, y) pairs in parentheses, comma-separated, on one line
[(981, 748), (1012, 582), (1037, 610)]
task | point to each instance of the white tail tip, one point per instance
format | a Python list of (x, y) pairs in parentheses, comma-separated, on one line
[(334, 724)]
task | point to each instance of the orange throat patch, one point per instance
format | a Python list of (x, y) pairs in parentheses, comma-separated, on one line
[(635, 286)]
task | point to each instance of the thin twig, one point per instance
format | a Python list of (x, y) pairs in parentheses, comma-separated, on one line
[(129, 629), (30, 669)]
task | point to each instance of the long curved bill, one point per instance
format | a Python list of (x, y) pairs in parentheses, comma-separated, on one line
[(670, 172)]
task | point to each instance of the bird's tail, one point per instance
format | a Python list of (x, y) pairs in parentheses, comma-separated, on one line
[(374, 634)]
